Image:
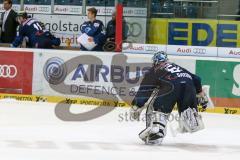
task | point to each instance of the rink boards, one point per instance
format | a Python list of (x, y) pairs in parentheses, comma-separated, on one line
[(105, 78), (96, 102)]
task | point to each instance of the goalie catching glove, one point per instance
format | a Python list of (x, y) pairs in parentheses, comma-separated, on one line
[(202, 100)]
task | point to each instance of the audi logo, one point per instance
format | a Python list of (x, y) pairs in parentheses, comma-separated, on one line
[(140, 12), (8, 71), (134, 29), (199, 51), (151, 48), (44, 9), (107, 11)]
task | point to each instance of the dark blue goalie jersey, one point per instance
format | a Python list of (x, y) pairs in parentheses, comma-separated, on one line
[(164, 77), (174, 73)]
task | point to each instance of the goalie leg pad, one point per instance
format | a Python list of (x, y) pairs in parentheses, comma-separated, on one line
[(191, 121), (156, 129)]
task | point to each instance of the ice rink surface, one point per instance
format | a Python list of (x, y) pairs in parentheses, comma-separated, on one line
[(31, 131)]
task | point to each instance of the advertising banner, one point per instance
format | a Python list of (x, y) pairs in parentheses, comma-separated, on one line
[(16, 70), (65, 9), (192, 51), (92, 75), (30, 8), (229, 52), (174, 49), (135, 12), (127, 11), (67, 27), (223, 80), (107, 78), (194, 32), (157, 32), (142, 48), (89, 75)]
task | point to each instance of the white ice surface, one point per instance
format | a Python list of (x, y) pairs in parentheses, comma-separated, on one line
[(31, 131)]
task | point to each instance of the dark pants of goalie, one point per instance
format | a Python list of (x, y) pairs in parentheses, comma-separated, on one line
[(160, 107)]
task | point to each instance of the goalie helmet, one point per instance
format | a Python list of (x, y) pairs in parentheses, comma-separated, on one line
[(159, 57)]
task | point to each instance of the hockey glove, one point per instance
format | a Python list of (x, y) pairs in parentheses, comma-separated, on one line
[(202, 100), (135, 112)]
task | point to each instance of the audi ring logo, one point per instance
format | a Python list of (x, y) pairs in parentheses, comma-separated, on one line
[(199, 51), (55, 71), (151, 48), (8, 71), (134, 29)]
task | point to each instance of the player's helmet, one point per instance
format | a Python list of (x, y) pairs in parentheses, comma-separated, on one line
[(159, 57)]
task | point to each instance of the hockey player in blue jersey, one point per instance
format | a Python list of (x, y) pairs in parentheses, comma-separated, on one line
[(94, 29), (32, 30), (162, 87)]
